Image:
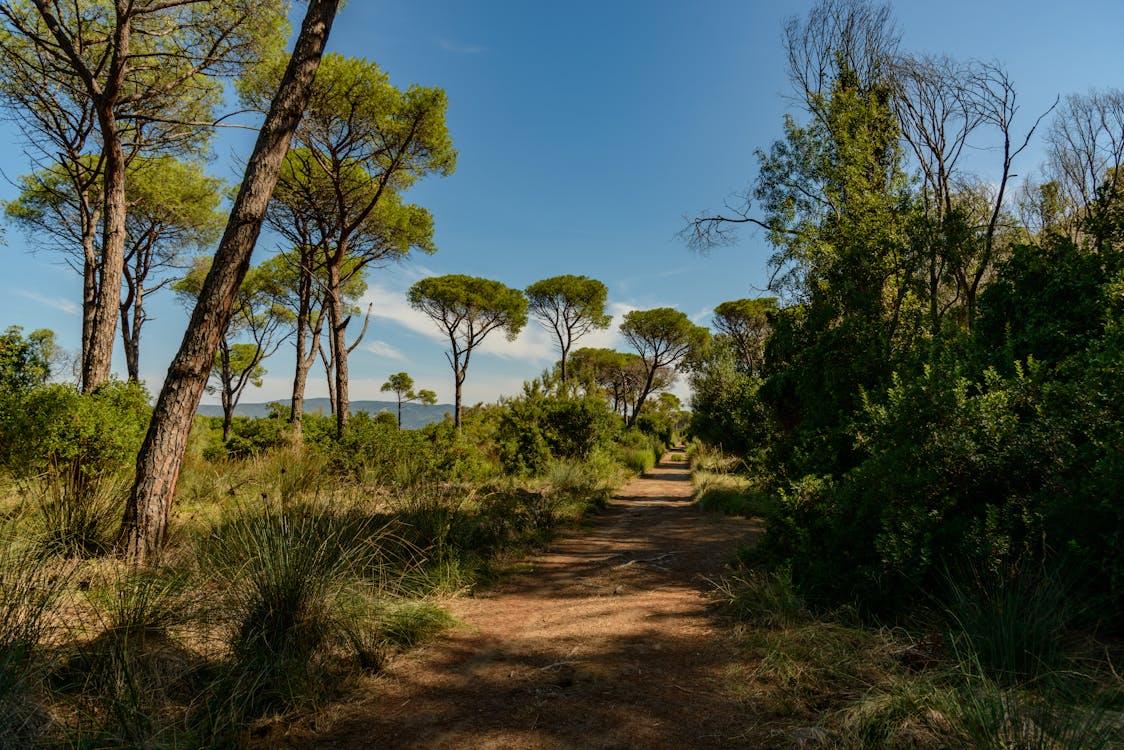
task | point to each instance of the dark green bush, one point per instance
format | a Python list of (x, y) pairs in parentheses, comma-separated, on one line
[(57, 426), (538, 427)]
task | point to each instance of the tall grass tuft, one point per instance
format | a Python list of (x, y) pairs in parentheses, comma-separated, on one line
[(589, 482), (133, 683), (639, 460), (761, 597), (1052, 717), (1011, 624), (75, 512), (28, 590), (284, 572)]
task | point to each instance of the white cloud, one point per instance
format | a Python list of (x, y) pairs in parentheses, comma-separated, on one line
[(390, 304), (383, 349), (702, 317), (59, 303), (460, 48)]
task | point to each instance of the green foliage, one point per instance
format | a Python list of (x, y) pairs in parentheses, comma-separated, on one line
[(24, 361), (374, 450), (1047, 303), (57, 427), (746, 323), (455, 301), (536, 427), (726, 410)]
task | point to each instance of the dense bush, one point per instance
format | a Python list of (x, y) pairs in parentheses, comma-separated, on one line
[(726, 410), (56, 426), (999, 448), (538, 427)]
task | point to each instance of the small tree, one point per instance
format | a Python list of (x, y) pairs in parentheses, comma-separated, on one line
[(746, 322), (403, 387), (25, 361), (468, 309), (619, 377), (571, 306), (663, 337)]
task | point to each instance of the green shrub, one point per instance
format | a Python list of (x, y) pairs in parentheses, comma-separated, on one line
[(57, 426), (376, 452), (537, 427)]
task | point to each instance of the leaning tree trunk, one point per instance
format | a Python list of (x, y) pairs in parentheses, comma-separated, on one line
[(158, 463)]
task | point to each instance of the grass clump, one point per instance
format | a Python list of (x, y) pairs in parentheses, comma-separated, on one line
[(290, 579), (28, 591), (586, 484), (731, 495), (134, 682), (74, 513), (1011, 624), (639, 460), (761, 597)]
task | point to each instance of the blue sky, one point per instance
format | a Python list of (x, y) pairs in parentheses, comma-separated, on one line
[(586, 131)]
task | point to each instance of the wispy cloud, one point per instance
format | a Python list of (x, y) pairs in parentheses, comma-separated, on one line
[(702, 317), (673, 272), (383, 349), (460, 48), (58, 303), (390, 304)]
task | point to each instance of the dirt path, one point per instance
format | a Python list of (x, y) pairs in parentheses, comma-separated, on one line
[(608, 642)]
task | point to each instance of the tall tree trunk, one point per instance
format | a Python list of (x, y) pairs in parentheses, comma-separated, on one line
[(337, 327), (144, 525), (328, 377), (459, 377), (98, 358), (304, 360), (89, 273), (132, 312)]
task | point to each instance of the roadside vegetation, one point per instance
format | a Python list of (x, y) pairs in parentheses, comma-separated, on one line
[(289, 571), (927, 417)]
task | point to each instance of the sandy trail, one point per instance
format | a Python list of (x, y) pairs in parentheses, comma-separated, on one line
[(606, 642)]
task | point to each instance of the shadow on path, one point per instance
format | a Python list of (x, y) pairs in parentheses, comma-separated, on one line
[(606, 642)]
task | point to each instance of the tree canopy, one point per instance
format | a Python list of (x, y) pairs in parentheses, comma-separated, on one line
[(663, 337), (467, 309), (570, 306)]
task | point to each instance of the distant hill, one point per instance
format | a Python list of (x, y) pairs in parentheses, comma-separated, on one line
[(413, 415)]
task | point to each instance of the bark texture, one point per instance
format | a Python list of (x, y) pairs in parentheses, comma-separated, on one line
[(145, 523)]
